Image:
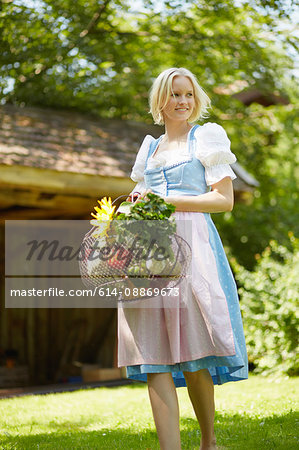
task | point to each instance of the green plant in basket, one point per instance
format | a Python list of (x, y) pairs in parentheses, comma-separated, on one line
[(156, 230)]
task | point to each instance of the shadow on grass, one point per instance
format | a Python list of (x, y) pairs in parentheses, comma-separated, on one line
[(234, 432)]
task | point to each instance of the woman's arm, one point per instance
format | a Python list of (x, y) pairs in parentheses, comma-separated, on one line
[(219, 199)]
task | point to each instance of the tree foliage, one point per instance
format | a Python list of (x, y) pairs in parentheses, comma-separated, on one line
[(268, 148), (101, 56), (269, 297)]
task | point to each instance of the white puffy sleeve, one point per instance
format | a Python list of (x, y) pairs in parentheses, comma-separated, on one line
[(138, 168), (213, 151)]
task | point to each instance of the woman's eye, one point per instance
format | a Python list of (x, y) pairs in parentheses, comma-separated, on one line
[(177, 95)]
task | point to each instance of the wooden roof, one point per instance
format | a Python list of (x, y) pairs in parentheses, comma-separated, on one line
[(253, 95), (241, 90), (63, 161), (69, 141)]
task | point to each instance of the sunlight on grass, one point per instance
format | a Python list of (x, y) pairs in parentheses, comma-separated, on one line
[(254, 414)]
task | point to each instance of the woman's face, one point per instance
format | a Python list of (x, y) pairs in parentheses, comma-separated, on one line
[(181, 103)]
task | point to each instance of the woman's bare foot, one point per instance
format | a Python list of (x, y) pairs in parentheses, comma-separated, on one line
[(208, 445)]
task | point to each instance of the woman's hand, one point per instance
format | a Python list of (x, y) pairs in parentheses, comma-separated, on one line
[(136, 197), (132, 197)]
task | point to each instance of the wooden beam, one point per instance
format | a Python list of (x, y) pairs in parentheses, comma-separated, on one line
[(62, 194), (46, 200), (66, 183), (42, 214)]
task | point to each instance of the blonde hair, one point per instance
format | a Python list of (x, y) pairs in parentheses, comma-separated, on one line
[(162, 88)]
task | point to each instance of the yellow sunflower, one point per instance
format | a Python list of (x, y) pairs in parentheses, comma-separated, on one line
[(104, 213), (106, 210)]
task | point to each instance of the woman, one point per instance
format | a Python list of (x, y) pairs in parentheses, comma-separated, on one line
[(203, 343)]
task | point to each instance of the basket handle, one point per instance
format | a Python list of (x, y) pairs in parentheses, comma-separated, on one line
[(125, 195)]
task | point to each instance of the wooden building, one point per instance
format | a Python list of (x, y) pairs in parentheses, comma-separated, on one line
[(55, 165)]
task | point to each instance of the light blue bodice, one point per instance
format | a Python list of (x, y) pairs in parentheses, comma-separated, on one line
[(186, 177)]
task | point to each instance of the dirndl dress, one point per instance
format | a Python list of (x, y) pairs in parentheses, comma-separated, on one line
[(207, 331)]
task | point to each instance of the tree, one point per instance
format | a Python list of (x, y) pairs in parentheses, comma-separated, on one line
[(101, 57), (269, 304)]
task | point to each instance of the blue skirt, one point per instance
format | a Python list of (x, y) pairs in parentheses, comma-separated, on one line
[(217, 365)]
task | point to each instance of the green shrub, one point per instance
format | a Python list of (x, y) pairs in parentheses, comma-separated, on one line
[(268, 303)]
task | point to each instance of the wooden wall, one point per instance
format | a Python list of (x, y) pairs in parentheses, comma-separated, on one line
[(50, 340)]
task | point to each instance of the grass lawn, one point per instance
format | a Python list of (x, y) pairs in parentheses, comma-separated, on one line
[(256, 414)]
